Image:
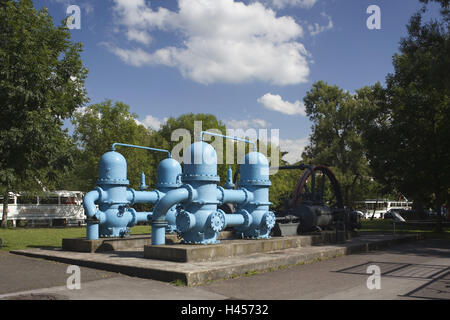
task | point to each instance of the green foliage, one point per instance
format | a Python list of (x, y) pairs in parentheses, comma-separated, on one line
[(408, 136), (336, 140), (283, 185), (166, 138), (445, 7), (97, 127), (41, 84)]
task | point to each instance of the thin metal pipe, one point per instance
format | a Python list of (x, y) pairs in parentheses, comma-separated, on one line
[(228, 137), (113, 148)]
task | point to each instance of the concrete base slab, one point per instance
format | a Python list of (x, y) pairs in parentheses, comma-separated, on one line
[(194, 273), (234, 248), (126, 243)]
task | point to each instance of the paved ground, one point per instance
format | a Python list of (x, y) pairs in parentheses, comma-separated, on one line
[(417, 270)]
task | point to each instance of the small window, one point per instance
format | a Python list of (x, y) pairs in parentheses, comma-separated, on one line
[(48, 200), (27, 199), (10, 200), (68, 200)]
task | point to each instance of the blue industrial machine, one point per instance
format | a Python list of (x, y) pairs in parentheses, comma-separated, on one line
[(185, 202), (114, 215), (190, 202), (198, 218)]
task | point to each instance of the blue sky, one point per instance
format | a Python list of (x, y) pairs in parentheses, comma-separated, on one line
[(250, 63)]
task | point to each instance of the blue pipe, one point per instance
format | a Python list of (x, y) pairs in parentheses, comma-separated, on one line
[(92, 227), (113, 148), (227, 137), (143, 196), (89, 203), (139, 217), (92, 230), (234, 196), (234, 219), (159, 213)]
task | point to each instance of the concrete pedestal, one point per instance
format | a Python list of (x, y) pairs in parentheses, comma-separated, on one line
[(234, 248), (126, 243)]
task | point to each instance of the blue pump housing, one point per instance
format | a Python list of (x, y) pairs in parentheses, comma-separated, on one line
[(114, 215), (169, 178), (198, 221), (185, 201), (254, 177)]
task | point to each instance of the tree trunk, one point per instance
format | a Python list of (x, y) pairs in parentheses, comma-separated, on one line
[(438, 205), (352, 192), (5, 210)]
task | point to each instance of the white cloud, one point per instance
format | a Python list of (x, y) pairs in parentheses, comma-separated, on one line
[(294, 149), (88, 7), (276, 103), (139, 36), (223, 41), (84, 5), (151, 122), (315, 29), (293, 3), (247, 124)]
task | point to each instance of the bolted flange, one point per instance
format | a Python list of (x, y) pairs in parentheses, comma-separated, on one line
[(217, 221), (185, 221), (269, 219)]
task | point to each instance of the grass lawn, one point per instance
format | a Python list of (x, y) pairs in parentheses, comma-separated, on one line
[(22, 238), (385, 226)]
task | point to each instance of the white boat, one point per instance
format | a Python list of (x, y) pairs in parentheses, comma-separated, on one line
[(381, 206), (56, 208)]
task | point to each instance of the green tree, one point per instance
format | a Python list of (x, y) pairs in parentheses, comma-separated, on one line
[(445, 7), (96, 128), (166, 138), (408, 132), (336, 140), (283, 185), (41, 84)]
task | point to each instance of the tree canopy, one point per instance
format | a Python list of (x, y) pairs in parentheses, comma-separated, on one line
[(96, 128), (41, 84), (408, 132), (336, 140)]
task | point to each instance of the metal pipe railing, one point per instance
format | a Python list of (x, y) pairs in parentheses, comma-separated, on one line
[(228, 137), (113, 148)]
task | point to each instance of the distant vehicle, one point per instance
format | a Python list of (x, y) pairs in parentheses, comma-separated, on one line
[(56, 208), (395, 214), (360, 214), (379, 207)]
